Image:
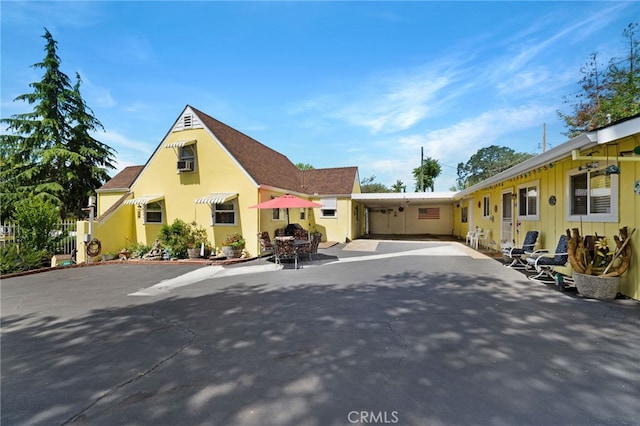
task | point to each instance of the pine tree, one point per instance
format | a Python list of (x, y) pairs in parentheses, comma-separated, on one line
[(49, 152)]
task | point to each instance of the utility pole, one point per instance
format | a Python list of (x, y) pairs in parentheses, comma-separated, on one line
[(421, 169), (544, 137)]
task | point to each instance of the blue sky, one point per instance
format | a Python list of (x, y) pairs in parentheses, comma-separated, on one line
[(331, 84)]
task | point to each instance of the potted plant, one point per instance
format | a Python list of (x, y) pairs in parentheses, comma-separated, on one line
[(599, 262), (233, 245), (196, 238)]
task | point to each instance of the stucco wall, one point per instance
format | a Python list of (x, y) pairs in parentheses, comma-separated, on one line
[(393, 221)]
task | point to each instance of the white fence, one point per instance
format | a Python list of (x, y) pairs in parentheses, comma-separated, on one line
[(66, 232)]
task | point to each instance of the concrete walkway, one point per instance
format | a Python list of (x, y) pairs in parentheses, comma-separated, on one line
[(412, 333)]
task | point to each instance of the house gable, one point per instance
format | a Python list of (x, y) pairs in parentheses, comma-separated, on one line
[(187, 120)]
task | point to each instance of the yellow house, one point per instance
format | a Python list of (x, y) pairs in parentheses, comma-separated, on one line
[(210, 173), (591, 182)]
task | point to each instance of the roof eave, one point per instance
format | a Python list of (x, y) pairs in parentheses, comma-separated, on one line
[(582, 141)]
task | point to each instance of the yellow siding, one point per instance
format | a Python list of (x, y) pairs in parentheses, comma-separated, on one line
[(339, 228), (215, 171), (107, 199), (553, 220)]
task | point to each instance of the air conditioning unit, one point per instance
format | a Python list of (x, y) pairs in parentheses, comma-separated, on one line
[(185, 165)]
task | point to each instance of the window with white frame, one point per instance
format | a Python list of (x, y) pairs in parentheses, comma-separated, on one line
[(329, 207), (486, 206), (153, 212), (224, 213), (529, 201), (593, 196), (187, 158)]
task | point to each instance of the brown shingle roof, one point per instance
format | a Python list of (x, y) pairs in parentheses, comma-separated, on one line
[(124, 179), (269, 167), (330, 181), (263, 164)]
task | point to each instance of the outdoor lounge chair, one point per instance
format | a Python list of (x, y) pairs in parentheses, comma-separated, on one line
[(544, 261), (517, 254)]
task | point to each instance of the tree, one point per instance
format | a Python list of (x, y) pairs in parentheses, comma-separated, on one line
[(399, 186), (607, 93), (624, 80), (37, 220), (304, 166), (368, 185), (487, 162), (95, 157), (426, 175), (49, 152)]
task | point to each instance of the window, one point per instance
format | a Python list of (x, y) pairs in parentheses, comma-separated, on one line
[(187, 158), (224, 213), (593, 196), (303, 214), (465, 214), (329, 207), (429, 213), (528, 201), (187, 120), (153, 212), (486, 206)]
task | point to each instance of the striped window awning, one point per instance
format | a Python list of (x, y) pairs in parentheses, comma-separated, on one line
[(180, 144), (217, 198), (145, 199)]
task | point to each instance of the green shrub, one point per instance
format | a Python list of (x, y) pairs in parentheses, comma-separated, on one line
[(37, 221), (13, 260), (175, 237)]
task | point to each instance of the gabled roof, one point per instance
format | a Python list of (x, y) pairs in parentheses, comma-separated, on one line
[(270, 168), (339, 180), (123, 180), (264, 165)]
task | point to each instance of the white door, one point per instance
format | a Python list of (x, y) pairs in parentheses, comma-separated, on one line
[(506, 236)]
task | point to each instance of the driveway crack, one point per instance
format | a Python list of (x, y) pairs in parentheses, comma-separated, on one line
[(185, 328)]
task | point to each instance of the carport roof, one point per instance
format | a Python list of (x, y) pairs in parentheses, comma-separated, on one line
[(380, 199)]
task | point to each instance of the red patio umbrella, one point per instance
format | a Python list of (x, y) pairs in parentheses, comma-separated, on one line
[(287, 202)]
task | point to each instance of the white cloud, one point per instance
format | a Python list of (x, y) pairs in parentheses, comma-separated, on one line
[(94, 94), (450, 145), (385, 105), (122, 144)]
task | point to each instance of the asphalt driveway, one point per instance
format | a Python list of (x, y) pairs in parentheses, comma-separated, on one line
[(408, 333)]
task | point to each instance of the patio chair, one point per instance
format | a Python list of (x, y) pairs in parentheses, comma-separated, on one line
[(544, 261), (470, 235), (480, 238), (483, 239), (284, 249), (303, 249), (517, 254), (316, 238), (266, 246)]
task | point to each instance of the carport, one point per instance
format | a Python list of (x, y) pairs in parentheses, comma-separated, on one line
[(407, 213)]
